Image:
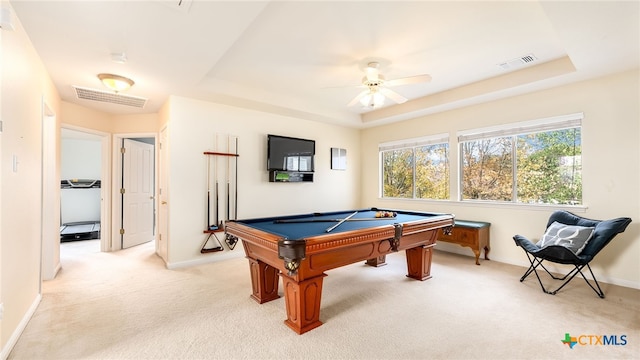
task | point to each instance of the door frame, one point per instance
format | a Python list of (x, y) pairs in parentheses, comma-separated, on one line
[(50, 196), (116, 198), (105, 183)]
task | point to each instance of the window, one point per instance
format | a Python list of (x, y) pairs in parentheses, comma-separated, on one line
[(535, 163), (416, 168)]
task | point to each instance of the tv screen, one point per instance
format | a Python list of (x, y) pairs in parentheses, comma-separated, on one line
[(290, 154)]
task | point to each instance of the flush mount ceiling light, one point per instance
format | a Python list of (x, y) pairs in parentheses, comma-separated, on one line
[(116, 83)]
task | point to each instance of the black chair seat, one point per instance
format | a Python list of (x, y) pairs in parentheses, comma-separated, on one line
[(604, 232)]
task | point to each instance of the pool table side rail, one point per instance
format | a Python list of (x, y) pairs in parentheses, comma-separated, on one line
[(376, 233)]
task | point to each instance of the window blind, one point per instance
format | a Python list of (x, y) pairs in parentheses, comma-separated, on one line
[(542, 125), (414, 142)]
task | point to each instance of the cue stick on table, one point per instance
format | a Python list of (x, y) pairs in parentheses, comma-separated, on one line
[(343, 220), (285, 221)]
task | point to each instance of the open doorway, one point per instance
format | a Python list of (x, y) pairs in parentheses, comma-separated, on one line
[(82, 174)]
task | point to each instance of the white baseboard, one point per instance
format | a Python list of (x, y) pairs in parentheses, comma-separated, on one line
[(207, 259), (601, 278), (13, 340)]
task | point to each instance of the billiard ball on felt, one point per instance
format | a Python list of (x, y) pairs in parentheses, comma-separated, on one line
[(385, 214)]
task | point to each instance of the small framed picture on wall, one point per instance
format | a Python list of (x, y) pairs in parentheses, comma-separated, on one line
[(338, 159)]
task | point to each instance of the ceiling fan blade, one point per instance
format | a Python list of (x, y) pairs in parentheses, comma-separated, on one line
[(409, 80), (357, 98), (393, 95)]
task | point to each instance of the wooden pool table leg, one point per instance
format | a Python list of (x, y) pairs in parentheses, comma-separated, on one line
[(264, 281), (302, 299), (377, 261), (419, 262)]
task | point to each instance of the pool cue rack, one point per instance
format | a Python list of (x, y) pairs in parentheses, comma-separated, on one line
[(229, 177)]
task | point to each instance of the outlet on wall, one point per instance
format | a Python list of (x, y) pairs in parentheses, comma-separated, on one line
[(1, 310)]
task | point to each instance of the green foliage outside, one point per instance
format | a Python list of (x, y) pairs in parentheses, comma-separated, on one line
[(547, 169), (431, 172), (548, 164), (487, 169), (397, 170), (550, 168)]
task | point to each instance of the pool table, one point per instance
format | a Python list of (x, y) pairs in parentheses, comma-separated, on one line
[(300, 248)]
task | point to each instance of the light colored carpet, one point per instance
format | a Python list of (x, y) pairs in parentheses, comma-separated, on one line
[(126, 305)]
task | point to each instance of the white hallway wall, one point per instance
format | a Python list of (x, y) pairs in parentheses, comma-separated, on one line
[(611, 167), (25, 87), (192, 128)]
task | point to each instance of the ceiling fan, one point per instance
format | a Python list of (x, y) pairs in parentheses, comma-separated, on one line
[(377, 91)]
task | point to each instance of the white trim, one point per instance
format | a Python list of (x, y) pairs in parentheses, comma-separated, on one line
[(413, 142), (206, 259), (13, 340), (105, 188), (495, 204), (523, 127), (115, 240)]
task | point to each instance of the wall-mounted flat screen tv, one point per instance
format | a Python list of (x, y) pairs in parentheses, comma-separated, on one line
[(290, 154)]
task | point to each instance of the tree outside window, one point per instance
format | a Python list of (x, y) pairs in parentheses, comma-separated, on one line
[(420, 172), (534, 168)]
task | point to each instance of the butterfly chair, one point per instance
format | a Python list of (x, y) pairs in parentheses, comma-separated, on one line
[(573, 240)]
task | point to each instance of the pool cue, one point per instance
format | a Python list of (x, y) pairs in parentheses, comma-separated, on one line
[(289, 221), (215, 171), (228, 180), (343, 220), (208, 193), (235, 204)]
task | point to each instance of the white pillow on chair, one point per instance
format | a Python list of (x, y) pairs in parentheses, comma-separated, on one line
[(573, 237)]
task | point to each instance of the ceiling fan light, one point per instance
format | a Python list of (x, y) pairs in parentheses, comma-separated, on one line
[(373, 99), (116, 83)]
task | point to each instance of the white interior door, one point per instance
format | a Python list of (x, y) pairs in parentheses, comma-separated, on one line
[(138, 197)]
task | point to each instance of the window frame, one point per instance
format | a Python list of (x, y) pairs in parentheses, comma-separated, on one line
[(443, 138), (555, 123), (455, 193)]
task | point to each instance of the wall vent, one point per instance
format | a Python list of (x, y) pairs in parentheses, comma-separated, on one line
[(109, 97), (514, 63)]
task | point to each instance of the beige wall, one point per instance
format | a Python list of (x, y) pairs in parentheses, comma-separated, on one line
[(79, 116), (611, 166), (25, 87), (192, 128), (611, 151)]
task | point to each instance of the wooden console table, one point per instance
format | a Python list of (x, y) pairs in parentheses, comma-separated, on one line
[(472, 234)]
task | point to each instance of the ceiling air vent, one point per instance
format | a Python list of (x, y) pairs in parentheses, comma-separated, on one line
[(109, 97), (181, 5), (515, 63)]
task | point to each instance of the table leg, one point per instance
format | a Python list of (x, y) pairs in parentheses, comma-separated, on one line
[(303, 303), (377, 261), (264, 281), (419, 262), (477, 254)]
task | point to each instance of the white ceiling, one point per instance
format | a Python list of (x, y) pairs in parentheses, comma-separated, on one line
[(304, 59)]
